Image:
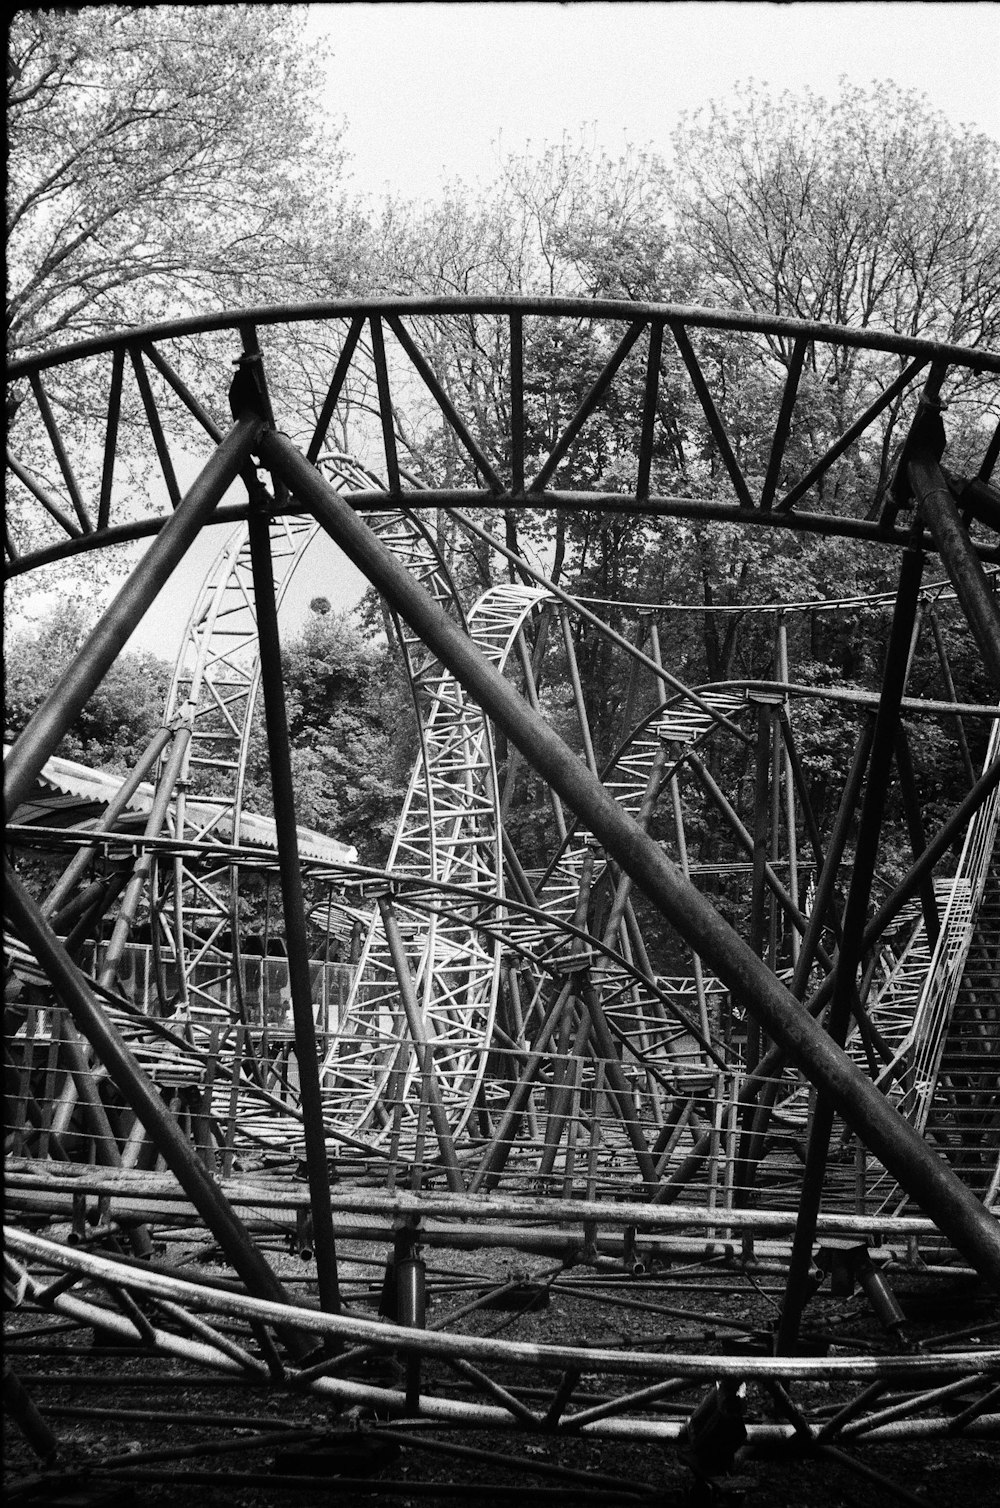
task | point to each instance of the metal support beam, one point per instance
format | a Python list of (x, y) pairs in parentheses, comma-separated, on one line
[(532, 666), (577, 685), (915, 830), (678, 814), (488, 1174), (949, 683), (925, 1177), (759, 857), (791, 825), (293, 904), (18, 1404), (106, 1151), (746, 841), (940, 513)]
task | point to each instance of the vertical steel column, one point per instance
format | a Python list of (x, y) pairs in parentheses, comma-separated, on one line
[(489, 1172), (529, 667), (772, 933), (949, 682), (577, 685), (635, 669), (923, 1175), (915, 831), (85, 1081), (745, 839), (293, 902), (566, 1052), (558, 1116), (897, 660), (619, 1092), (516, 404), (805, 805), (623, 889), (791, 825), (759, 857), (617, 1084), (80, 680), (682, 854)]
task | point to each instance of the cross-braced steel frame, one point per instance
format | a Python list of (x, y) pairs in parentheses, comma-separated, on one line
[(811, 1095)]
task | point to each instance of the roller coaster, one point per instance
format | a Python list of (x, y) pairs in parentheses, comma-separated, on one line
[(668, 1041)]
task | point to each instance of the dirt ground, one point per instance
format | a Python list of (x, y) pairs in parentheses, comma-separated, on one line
[(300, 1451)]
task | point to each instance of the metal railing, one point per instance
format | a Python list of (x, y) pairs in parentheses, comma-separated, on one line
[(925, 1044)]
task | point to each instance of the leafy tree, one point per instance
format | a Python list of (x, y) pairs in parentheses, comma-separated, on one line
[(160, 158), (163, 161), (866, 209), (122, 715)]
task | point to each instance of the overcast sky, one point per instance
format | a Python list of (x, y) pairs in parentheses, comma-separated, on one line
[(427, 90)]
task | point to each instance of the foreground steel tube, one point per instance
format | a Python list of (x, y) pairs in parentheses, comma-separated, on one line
[(294, 910), (27, 1247), (924, 1176)]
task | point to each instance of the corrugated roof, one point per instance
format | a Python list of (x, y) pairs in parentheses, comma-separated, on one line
[(71, 778)]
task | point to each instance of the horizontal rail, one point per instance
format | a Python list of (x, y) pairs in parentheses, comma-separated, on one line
[(570, 308)]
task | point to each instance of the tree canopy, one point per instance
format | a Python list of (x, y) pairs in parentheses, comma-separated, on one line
[(160, 159), (350, 730), (865, 209)]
